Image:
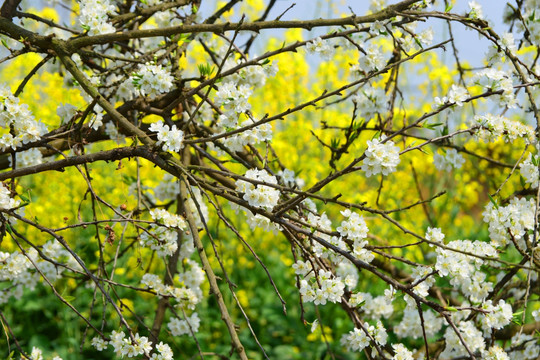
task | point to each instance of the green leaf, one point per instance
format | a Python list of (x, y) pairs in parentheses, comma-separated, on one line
[(449, 7), (69, 298), (493, 201), (432, 126), (445, 131), (9, 230), (205, 70), (184, 38), (450, 308), (128, 179)]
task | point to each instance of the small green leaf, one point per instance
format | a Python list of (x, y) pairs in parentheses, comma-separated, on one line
[(449, 7), (450, 308), (445, 131), (69, 298), (9, 230), (432, 126), (205, 70), (493, 201)]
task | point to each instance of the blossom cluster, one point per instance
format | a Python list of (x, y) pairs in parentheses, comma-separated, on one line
[(463, 269), (495, 316), (475, 10), (65, 112), (133, 346), (416, 40), (370, 102), (163, 239), (457, 95), (531, 19), (94, 16), (380, 157), (492, 127), (152, 80), (412, 326), (18, 269), (187, 295), (355, 228), (471, 336), (373, 59), (453, 159), (182, 327), (358, 339), (435, 235), (258, 221), (511, 221), (160, 239), (6, 201), (233, 97), (496, 80), (251, 136), (321, 47), (376, 307), (259, 196), (168, 219), (526, 347), (289, 178), (529, 170), (322, 288), (17, 116), (170, 138)]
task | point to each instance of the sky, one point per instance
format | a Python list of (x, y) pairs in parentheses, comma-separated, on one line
[(470, 47)]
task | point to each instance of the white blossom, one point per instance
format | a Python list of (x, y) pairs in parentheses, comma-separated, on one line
[(380, 158), (321, 47), (171, 139), (94, 16), (152, 80), (260, 196)]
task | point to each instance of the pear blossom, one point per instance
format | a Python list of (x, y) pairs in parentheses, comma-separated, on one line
[(380, 157), (171, 139)]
